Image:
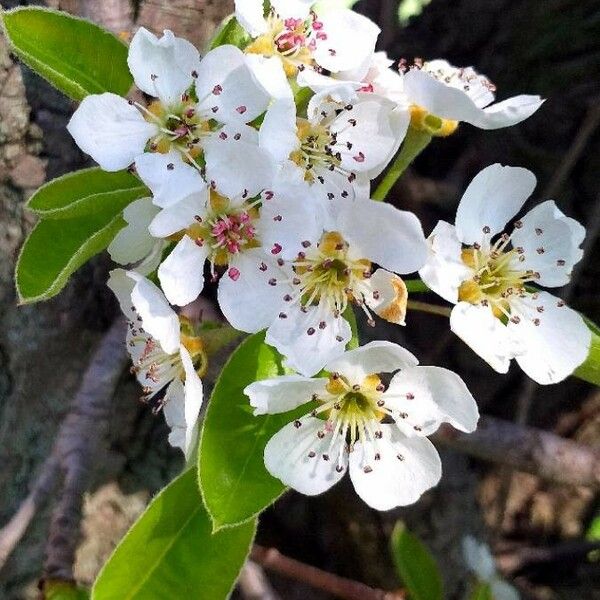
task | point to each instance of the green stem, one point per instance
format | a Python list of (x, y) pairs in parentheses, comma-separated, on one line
[(414, 143), (414, 286), (434, 309)]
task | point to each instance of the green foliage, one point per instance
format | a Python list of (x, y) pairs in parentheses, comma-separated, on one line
[(415, 565), (230, 32), (61, 590), (56, 248), (85, 192), (76, 56), (234, 482), (415, 286), (482, 591), (590, 369), (170, 552)]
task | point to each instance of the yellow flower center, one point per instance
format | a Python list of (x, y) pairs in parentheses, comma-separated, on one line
[(426, 122)]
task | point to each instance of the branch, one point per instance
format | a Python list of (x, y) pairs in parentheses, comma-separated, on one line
[(541, 453), (77, 446), (347, 589)]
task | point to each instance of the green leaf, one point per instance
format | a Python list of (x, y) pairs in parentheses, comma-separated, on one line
[(170, 552), (85, 192), (590, 370), (482, 591), (234, 482), (62, 590), (74, 55), (230, 32), (351, 318), (56, 248), (415, 286), (415, 565)]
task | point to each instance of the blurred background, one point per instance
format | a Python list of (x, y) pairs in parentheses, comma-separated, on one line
[(536, 529)]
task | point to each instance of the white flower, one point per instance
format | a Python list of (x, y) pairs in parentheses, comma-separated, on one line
[(489, 277), (358, 423), (164, 358), (323, 263), (480, 561), (200, 107), (442, 95), (291, 38), (346, 141)]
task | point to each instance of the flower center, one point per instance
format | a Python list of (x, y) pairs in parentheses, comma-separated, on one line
[(496, 276), (226, 230), (329, 274), (293, 40)]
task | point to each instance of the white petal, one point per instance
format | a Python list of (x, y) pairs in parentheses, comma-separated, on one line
[(484, 333), (550, 241), (387, 296), (179, 216), (495, 195), (279, 395), (554, 348), (250, 14), (162, 67), (226, 82), (478, 558), (110, 130), (297, 9), (426, 397), (501, 590), (406, 468), (375, 357), (270, 73), (351, 39), (278, 133), (168, 177), (383, 234), (450, 102), (121, 286), (246, 298), (287, 457), (181, 274), (444, 270), (237, 167), (158, 318), (174, 411), (193, 401), (134, 242), (309, 340)]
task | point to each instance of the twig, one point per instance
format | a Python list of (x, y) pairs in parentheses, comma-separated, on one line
[(434, 309), (77, 445), (528, 449), (272, 559)]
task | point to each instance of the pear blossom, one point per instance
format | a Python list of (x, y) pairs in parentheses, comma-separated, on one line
[(291, 38), (480, 562), (441, 95), (347, 139), (166, 358), (200, 110), (358, 423), (489, 276), (323, 264)]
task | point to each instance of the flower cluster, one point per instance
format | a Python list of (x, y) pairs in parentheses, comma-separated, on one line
[(259, 159)]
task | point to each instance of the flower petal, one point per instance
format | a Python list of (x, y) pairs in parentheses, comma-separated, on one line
[(181, 274), (226, 83), (270, 73), (134, 242), (168, 177), (193, 401), (279, 395), (405, 469), (246, 298), (174, 412), (494, 196), (295, 456), (350, 40), (554, 337), (179, 216), (298, 9), (387, 296), (550, 241), (375, 357), (110, 130), (423, 398), (250, 14), (444, 270), (383, 234), (309, 339), (278, 133), (162, 67), (484, 333)]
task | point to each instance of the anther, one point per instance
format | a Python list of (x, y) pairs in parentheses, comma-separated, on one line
[(273, 281), (310, 331)]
